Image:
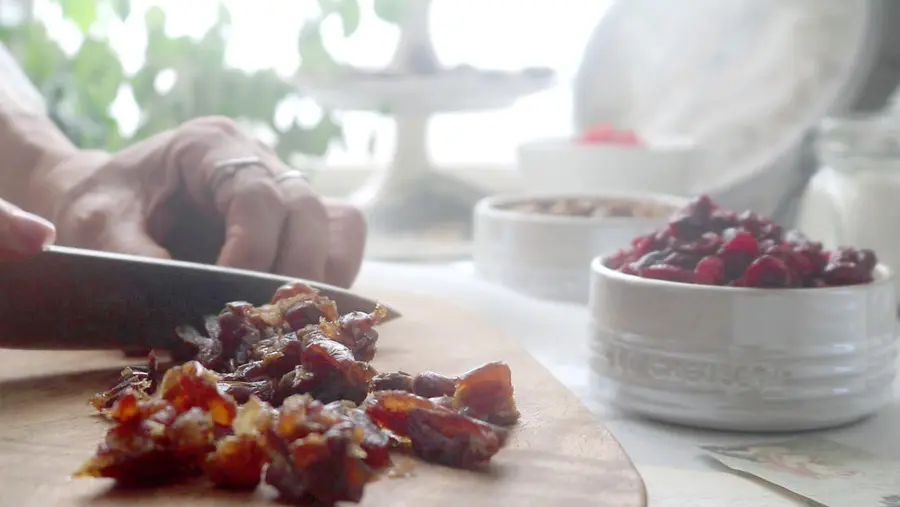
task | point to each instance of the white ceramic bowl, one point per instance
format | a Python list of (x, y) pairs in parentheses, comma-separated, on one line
[(565, 165), (549, 256), (744, 359)]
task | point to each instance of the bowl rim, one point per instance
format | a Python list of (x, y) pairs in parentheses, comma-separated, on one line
[(489, 206), (570, 144), (883, 276)]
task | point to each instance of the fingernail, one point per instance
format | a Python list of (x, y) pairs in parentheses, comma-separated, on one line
[(31, 233)]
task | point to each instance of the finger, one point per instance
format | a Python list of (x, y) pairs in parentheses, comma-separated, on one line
[(202, 144), (255, 214), (22, 234), (347, 242), (305, 243), (128, 235)]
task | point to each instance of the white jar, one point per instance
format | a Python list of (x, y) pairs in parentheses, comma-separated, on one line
[(854, 198)]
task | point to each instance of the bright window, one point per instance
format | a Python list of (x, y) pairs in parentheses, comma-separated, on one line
[(501, 34)]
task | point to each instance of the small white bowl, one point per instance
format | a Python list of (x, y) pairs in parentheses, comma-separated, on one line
[(744, 359), (549, 256), (566, 165)]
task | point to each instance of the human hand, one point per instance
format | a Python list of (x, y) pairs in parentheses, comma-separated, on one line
[(170, 196), (22, 234)]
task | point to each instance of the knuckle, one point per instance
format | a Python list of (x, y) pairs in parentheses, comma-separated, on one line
[(308, 204), (261, 190), (352, 220), (85, 223), (215, 126)]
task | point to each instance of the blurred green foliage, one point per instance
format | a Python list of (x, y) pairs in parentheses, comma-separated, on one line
[(80, 89)]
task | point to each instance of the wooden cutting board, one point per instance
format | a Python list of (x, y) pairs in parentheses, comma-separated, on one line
[(560, 454)]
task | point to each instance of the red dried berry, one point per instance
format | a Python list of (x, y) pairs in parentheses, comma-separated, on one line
[(707, 245), (618, 259), (768, 272), (845, 273), (682, 260), (668, 273), (723, 219), (771, 232), (867, 260), (742, 242), (709, 271), (651, 259)]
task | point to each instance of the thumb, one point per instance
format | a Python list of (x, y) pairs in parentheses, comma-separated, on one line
[(22, 234), (131, 237)]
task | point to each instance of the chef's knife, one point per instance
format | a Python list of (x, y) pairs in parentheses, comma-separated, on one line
[(74, 299)]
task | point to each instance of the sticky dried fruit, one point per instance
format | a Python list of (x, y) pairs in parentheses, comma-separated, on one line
[(707, 245), (285, 393)]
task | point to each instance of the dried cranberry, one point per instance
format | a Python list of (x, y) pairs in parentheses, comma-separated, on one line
[(668, 273), (682, 260), (686, 228), (798, 261), (629, 270), (618, 259), (842, 254), (771, 232), (643, 245), (707, 245), (701, 207), (752, 223), (867, 260), (797, 238), (738, 241), (845, 273), (768, 271), (722, 219), (651, 259), (767, 244), (709, 271)]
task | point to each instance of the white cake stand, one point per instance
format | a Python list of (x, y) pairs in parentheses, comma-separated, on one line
[(415, 211)]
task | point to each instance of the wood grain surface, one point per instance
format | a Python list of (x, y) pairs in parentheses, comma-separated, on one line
[(560, 454)]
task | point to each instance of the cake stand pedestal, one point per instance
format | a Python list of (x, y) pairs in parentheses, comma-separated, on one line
[(416, 212)]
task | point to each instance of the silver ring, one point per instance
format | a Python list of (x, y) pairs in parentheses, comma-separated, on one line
[(226, 169), (290, 175)]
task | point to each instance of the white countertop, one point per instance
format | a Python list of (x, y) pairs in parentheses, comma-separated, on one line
[(675, 471)]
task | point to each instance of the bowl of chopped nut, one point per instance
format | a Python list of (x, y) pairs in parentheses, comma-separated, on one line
[(542, 244)]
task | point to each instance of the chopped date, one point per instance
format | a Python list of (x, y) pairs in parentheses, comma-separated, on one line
[(326, 468), (141, 380), (394, 381), (452, 439), (432, 385), (238, 459), (486, 393), (151, 442), (236, 463), (285, 394), (435, 432), (391, 409)]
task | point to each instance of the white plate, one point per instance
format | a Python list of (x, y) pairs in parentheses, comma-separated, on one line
[(744, 78)]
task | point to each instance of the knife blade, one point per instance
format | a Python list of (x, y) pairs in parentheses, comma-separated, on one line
[(74, 299)]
